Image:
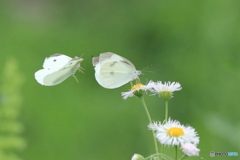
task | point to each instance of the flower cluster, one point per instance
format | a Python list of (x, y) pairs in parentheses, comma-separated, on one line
[(168, 132), (164, 90)]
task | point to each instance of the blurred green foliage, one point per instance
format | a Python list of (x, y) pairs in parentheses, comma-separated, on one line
[(195, 43), (10, 128)]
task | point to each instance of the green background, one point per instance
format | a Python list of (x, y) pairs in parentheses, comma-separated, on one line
[(196, 43)]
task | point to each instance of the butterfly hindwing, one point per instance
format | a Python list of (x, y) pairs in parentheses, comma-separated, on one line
[(57, 77)]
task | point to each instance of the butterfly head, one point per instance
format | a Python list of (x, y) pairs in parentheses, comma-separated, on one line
[(136, 74)]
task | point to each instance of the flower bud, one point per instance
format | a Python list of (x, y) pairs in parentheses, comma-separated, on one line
[(137, 157), (166, 95)]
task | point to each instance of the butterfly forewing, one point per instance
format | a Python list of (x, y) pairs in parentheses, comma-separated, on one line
[(105, 56), (116, 69), (56, 61), (95, 61)]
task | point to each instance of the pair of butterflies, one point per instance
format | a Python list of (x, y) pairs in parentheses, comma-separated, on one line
[(111, 70)]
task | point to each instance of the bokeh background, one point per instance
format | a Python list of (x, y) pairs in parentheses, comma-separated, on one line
[(195, 43)]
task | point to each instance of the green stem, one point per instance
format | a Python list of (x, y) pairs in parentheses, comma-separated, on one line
[(166, 111), (176, 152), (166, 118), (162, 150), (183, 157), (151, 157), (150, 121)]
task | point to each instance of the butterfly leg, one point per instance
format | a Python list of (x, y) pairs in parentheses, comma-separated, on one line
[(138, 81), (80, 69), (131, 84), (75, 78)]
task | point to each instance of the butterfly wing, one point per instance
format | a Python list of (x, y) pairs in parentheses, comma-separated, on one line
[(103, 57), (41, 74), (56, 61), (113, 71), (57, 68), (57, 77), (111, 57), (95, 61)]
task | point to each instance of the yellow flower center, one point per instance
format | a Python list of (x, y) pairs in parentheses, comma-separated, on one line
[(137, 86), (175, 131)]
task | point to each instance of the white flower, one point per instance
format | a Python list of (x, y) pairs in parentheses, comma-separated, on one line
[(154, 126), (172, 133), (190, 149), (136, 90), (165, 90), (167, 86), (137, 157)]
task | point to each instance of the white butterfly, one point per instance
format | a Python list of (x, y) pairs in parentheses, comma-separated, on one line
[(113, 71), (57, 68)]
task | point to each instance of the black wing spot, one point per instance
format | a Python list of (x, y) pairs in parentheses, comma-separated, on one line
[(126, 62), (111, 65), (112, 73), (54, 60)]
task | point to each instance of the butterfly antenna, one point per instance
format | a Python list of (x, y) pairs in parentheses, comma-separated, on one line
[(144, 69), (147, 67), (148, 71), (75, 78), (82, 55), (138, 80), (131, 84)]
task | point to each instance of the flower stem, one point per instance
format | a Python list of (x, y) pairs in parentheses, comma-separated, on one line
[(166, 111), (151, 157), (183, 157), (150, 121), (176, 152), (166, 118)]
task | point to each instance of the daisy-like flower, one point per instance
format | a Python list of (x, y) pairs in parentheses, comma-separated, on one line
[(137, 157), (164, 90), (190, 149), (172, 133), (136, 90)]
